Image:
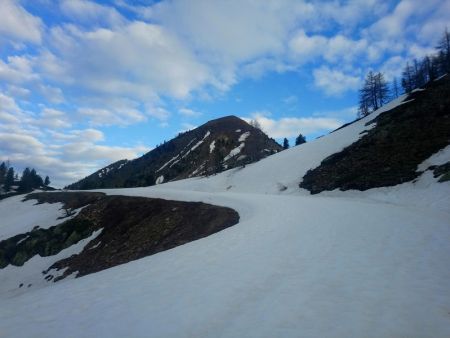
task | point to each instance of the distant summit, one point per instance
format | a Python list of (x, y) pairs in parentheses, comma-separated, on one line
[(217, 145)]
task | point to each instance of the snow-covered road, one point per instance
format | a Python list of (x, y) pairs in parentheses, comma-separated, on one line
[(293, 266)]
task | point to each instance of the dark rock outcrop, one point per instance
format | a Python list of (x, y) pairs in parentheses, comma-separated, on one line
[(389, 153), (131, 228)]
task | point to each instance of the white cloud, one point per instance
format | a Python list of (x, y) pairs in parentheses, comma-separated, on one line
[(393, 67), (412, 27), (137, 60), (17, 24), (8, 104), (52, 94), (189, 112), (17, 69), (344, 114), (93, 152), (16, 91), (233, 30), (394, 24), (340, 47), (348, 14), (334, 82), (73, 156), (90, 12), (335, 49), (46, 142), (14, 142), (292, 126), (52, 118), (159, 113), (305, 47), (105, 117)]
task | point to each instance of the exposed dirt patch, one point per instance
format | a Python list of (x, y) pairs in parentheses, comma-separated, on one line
[(132, 228), (70, 200), (135, 227), (389, 153)]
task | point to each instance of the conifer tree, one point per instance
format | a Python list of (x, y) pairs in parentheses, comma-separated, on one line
[(47, 181), (9, 180), (373, 94), (285, 143), (300, 140), (3, 171)]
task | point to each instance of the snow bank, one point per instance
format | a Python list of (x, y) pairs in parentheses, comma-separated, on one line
[(288, 269), (30, 274), (19, 217)]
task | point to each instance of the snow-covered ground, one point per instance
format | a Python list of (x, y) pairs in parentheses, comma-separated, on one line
[(337, 264), (17, 217)]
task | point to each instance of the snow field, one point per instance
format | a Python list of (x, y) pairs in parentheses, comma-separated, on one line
[(352, 264)]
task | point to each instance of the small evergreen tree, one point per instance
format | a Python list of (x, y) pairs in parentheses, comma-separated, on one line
[(300, 140), (217, 160), (9, 180), (285, 143), (36, 180), (47, 181), (26, 182), (3, 171)]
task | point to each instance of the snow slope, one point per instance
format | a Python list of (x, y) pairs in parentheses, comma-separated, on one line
[(353, 264), (18, 217)]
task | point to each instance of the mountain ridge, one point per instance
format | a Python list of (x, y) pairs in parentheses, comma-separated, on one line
[(217, 145)]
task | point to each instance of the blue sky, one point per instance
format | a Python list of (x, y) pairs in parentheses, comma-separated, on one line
[(85, 83)]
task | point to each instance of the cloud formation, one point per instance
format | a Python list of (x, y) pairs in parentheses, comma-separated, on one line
[(292, 126), (71, 69), (17, 24)]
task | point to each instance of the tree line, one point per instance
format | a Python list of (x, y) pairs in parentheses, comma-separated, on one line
[(375, 91), (28, 181)]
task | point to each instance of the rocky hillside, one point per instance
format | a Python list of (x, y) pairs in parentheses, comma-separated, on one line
[(127, 228), (390, 152), (217, 145)]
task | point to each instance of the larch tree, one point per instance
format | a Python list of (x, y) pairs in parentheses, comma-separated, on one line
[(373, 94)]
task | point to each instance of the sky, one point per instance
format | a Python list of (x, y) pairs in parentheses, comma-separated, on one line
[(86, 83)]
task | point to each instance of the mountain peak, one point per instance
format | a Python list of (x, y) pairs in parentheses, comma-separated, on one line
[(217, 145)]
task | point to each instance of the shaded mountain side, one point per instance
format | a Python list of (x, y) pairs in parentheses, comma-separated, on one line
[(217, 145), (131, 228), (389, 153)]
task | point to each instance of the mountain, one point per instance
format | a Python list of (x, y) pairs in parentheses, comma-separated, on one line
[(220, 144), (366, 255)]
